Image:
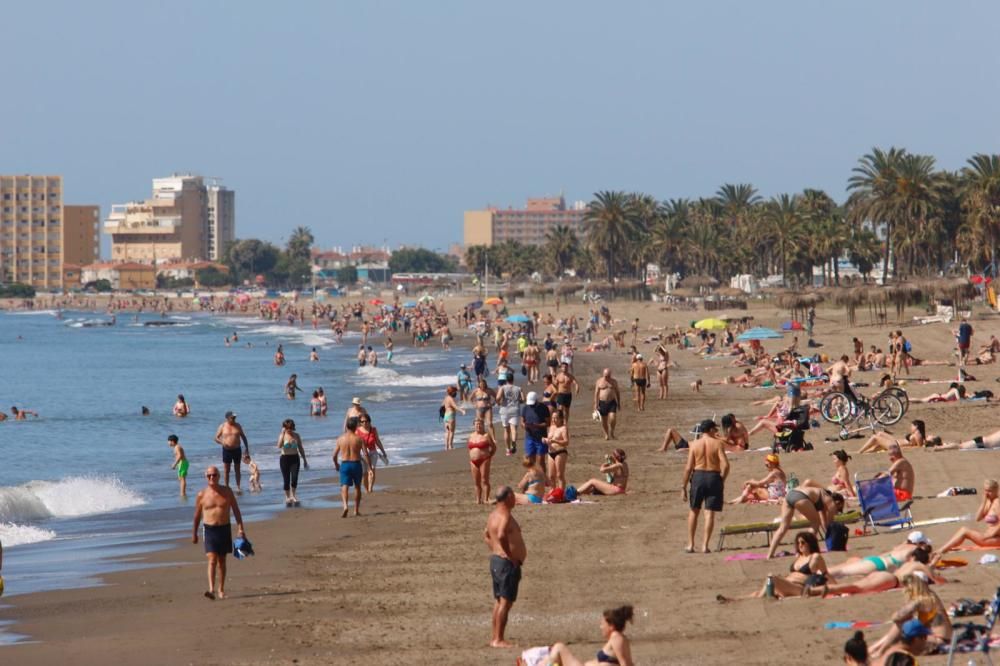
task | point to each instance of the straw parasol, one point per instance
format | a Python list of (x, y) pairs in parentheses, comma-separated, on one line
[(731, 292), (684, 292)]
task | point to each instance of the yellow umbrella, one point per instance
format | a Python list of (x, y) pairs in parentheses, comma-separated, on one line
[(493, 300), (710, 324)]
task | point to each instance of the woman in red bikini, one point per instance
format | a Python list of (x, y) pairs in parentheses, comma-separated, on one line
[(482, 448)]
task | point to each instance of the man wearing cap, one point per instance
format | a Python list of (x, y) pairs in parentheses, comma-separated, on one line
[(706, 471), (213, 504), (913, 635), (503, 537), (607, 399), (640, 379), (354, 411), (536, 418), (228, 436)]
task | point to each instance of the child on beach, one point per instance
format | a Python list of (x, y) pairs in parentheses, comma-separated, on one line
[(180, 463), (255, 486)]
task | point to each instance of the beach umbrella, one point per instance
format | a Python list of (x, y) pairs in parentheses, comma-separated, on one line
[(426, 299), (759, 333), (493, 300), (474, 305), (410, 304), (519, 319), (791, 326), (710, 324), (377, 301)]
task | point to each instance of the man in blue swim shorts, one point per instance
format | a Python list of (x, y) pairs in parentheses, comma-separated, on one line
[(347, 456)]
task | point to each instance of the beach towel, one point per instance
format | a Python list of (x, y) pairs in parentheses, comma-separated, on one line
[(855, 624), (745, 557), (951, 563)]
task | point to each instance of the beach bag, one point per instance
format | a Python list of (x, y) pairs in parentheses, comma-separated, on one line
[(907, 347), (555, 496), (836, 537), (570, 494), (524, 370)]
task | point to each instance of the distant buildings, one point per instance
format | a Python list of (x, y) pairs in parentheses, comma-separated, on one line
[(372, 263), (184, 220), (42, 242), (527, 226)]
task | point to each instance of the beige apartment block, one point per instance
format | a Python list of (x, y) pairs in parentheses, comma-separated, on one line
[(81, 234), (31, 228), (526, 225), (183, 221)]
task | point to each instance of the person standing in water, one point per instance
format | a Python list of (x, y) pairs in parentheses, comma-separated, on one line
[(180, 463), (181, 408), (228, 436), (291, 386)]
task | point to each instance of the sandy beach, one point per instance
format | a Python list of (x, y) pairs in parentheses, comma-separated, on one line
[(408, 582)]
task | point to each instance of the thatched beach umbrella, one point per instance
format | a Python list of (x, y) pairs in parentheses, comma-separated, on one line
[(850, 298), (541, 290), (511, 294), (731, 292), (684, 292)]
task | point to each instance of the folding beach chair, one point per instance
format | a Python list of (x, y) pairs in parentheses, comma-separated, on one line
[(878, 503)]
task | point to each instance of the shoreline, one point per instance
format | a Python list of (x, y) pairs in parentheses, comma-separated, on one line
[(408, 582)]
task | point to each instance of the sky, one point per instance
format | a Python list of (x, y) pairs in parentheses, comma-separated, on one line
[(378, 122)]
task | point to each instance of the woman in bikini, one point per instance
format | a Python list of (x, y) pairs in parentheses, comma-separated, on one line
[(549, 393), (881, 441), (482, 448), (769, 489), (663, 370), (989, 513), (615, 480), (954, 393), (808, 570), (817, 505), (484, 398), (450, 408), (924, 605), (369, 434), (616, 649), (841, 481), (532, 484), (889, 561), (557, 441), (878, 581)]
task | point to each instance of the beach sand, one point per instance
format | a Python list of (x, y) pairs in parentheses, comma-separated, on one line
[(408, 582)]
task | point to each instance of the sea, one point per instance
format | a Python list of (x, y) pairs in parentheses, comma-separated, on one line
[(86, 487)]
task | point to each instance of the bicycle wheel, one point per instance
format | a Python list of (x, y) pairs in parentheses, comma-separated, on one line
[(887, 409), (901, 395), (837, 408)]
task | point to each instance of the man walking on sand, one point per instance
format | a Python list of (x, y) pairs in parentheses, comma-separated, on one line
[(229, 435), (640, 379), (213, 504), (607, 399), (706, 470), (503, 537), (566, 386), (347, 455)]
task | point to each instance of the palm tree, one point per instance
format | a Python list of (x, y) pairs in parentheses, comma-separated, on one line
[(783, 219), (981, 188), (610, 222), (300, 243), (666, 237), (873, 194), (561, 248), (736, 200)]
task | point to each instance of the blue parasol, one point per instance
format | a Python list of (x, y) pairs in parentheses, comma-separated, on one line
[(759, 333)]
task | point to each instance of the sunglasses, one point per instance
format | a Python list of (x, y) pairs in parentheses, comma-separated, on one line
[(211, 476)]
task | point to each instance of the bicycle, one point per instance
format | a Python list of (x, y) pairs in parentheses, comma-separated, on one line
[(884, 409)]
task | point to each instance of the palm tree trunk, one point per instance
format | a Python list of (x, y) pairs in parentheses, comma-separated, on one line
[(888, 250)]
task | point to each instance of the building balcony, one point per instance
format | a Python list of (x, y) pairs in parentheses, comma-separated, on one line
[(154, 225)]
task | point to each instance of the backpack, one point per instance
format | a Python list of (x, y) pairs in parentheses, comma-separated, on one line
[(836, 537), (907, 347)]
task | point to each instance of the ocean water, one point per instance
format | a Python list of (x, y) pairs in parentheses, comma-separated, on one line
[(87, 487)]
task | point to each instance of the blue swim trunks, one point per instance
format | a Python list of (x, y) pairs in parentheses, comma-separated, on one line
[(351, 473), (533, 446)]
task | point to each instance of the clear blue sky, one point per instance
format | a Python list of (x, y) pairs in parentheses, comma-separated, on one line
[(368, 120)]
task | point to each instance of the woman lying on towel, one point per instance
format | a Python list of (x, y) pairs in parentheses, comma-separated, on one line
[(889, 561), (989, 513), (916, 563)]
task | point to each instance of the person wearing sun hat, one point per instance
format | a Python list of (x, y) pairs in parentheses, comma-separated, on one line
[(771, 488), (354, 411)]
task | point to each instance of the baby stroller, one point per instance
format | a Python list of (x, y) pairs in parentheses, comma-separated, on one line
[(791, 435)]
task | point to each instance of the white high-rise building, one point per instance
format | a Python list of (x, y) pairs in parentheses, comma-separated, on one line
[(220, 222)]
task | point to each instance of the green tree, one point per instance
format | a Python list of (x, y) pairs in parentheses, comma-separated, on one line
[(420, 260), (981, 189), (211, 276), (250, 257), (783, 221), (610, 221), (300, 244), (561, 249)]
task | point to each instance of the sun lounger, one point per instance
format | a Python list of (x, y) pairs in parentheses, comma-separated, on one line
[(769, 527)]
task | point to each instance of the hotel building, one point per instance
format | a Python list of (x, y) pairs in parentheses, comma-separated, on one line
[(38, 234), (175, 224), (528, 225)]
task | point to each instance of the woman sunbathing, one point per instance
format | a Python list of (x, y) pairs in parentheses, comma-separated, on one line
[(917, 436), (921, 604), (615, 482), (989, 513), (841, 481), (954, 393), (886, 562), (817, 505), (769, 489), (877, 581)]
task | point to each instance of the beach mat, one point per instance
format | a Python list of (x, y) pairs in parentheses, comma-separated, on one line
[(855, 624)]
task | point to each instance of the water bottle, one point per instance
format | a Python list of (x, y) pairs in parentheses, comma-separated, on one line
[(793, 481), (769, 588)]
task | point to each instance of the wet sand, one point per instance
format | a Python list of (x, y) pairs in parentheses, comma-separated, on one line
[(408, 582)]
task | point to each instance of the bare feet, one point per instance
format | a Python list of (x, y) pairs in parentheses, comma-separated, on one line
[(344, 514), (210, 595), (501, 644), (220, 595), (689, 549)]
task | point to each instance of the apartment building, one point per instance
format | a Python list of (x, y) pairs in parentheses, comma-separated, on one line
[(526, 225), (175, 224), (38, 234)]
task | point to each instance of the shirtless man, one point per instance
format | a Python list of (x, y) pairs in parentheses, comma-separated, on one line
[(566, 386), (640, 379), (228, 436), (347, 454), (213, 504), (706, 471), (901, 471), (507, 553), (606, 401)]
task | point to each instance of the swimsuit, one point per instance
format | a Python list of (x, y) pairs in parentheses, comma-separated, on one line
[(219, 539), (506, 578), (482, 446), (640, 382), (605, 407), (605, 658), (350, 473), (706, 489), (554, 453), (182, 468), (795, 496)]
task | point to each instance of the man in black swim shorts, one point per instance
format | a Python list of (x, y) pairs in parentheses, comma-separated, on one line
[(229, 436), (706, 471), (213, 505), (503, 537)]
